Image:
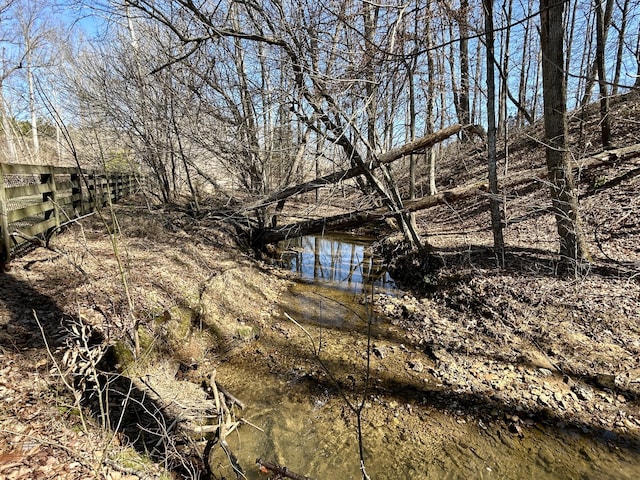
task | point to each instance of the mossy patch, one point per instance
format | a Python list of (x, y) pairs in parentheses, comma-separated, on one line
[(246, 333), (130, 459), (180, 322), (123, 355)]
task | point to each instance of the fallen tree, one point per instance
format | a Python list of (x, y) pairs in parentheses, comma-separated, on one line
[(359, 218), (385, 158)]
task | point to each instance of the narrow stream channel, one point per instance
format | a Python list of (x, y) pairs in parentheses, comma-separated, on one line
[(407, 434)]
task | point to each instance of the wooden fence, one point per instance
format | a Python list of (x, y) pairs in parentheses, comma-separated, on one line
[(35, 200)]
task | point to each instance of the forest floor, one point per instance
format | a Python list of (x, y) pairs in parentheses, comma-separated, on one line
[(505, 350)]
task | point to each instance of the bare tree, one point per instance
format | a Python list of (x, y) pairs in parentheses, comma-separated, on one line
[(563, 192), (317, 84), (601, 38), (622, 30), (430, 107), (496, 213), (602, 24)]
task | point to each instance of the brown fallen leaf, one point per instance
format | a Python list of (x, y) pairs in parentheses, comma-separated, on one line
[(10, 457)]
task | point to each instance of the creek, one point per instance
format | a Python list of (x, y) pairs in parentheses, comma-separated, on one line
[(413, 426)]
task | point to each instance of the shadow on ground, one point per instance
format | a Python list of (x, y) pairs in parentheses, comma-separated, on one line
[(32, 325)]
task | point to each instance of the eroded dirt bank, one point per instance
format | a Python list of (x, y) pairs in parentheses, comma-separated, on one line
[(487, 376)]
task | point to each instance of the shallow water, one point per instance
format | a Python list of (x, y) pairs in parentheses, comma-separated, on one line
[(407, 433), (341, 261)]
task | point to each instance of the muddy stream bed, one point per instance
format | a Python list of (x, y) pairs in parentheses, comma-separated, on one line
[(413, 425)]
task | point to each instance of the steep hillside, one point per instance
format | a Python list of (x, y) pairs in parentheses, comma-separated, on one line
[(609, 206), (568, 348)]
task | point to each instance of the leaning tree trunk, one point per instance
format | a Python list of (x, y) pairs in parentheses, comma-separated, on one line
[(346, 221), (563, 192)]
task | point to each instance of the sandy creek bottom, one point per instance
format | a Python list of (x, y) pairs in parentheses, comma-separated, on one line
[(411, 429)]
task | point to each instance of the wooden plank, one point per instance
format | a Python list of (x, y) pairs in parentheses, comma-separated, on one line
[(22, 169), (27, 190), (30, 211), (35, 229), (62, 186), (64, 199)]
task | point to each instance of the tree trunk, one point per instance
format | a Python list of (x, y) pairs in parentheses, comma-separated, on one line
[(431, 70), (496, 216), (593, 68), (32, 105), (563, 193), (465, 117), (355, 219), (388, 157), (605, 121), (620, 52), (346, 221), (525, 67), (570, 32), (504, 84)]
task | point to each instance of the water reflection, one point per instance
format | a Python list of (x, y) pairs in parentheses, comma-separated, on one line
[(341, 260)]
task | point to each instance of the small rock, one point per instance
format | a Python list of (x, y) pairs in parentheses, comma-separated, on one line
[(582, 393), (546, 456), (416, 365), (379, 351), (557, 396), (517, 429), (408, 309), (544, 399), (505, 439)]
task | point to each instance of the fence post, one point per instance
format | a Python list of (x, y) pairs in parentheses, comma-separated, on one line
[(76, 189), (51, 195), (5, 239), (94, 181), (117, 189)]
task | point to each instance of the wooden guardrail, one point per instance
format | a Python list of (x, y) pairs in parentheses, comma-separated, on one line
[(36, 200)]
